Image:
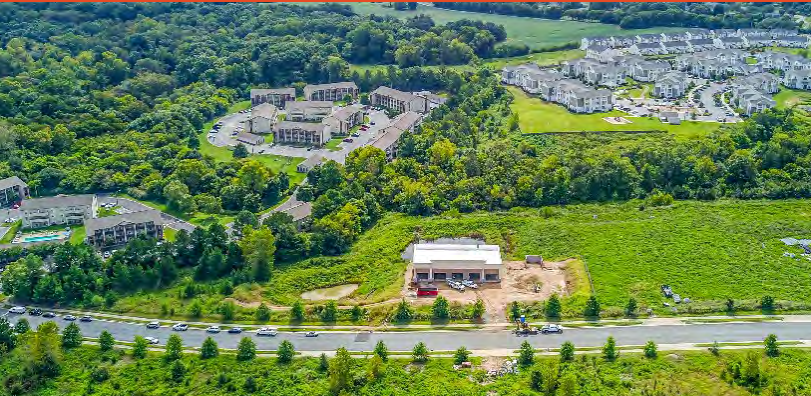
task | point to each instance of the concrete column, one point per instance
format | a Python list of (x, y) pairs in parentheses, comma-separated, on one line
[(482, 278)]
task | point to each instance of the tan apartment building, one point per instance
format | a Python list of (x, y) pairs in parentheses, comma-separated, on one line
[(119, 229), (301, 132), (276, 96), (311, 110), (262, 118), (343, 120), (439, 262), (389, 137), (12, 190), (58, 210), (334, 91), (398, 101)]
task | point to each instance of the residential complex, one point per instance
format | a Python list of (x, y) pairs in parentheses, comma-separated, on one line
[(119, 229), (262, 118), (398, 101), (58, 210), (389, 137), (344, 119), (695, 40), (670, 85), (12, 190), (277, 97), (308, 111), (438, 262), (301, 132), (332, 92)]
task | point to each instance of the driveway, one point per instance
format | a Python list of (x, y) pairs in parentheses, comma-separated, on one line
[(716, 112), (128, 206)]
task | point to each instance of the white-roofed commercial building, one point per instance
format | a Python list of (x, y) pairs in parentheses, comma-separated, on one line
[(438, 262)]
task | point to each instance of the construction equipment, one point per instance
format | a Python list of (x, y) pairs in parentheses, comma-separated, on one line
[(524, 329)]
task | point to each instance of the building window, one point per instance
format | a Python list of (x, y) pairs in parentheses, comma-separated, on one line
[(457, 275), (422, 275), (491, 277), (440, 276), (474, 276)]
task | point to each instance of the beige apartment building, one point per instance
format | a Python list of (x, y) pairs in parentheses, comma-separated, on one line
[(58, 210), (334, 91)]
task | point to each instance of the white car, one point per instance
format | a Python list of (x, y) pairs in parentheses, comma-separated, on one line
[(17, 310), (311, 334), (151, 340), (213, 329), (266, 331), (180, 327), (470, 284)]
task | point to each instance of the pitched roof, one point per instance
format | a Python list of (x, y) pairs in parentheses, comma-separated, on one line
[(308, 104), (250, 138), (144, 216), (429, 253), (702, 42), (11, 182), (648, 45), (300, 211), (396, 94), (274, 91), (314, 160), (336, 85), (304, 126), (59, 201), (347, 112), (405, 120), (264, 110)]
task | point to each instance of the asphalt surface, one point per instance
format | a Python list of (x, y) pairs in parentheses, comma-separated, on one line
[(127, 206), (450, 340)]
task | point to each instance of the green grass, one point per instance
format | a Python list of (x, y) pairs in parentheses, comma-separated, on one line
[(268, 138), (790, 97), (536, 33), (538, 116), (169, 234), (12, 232), (276, 163), (333, 143), (734, 319), (197, 218), (541, 58), (77, 235), (105, 212)]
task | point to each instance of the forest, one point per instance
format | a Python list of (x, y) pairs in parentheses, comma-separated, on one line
[(645, 15)]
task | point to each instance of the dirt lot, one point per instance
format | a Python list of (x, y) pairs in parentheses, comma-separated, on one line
[(519, 284)]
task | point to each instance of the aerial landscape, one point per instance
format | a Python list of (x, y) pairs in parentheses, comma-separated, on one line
[(401, 198)]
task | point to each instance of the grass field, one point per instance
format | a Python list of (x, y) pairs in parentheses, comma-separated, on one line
[(12, 231), (333, 143), (537, 116), (536, 33), (790, 97), (274, 162)]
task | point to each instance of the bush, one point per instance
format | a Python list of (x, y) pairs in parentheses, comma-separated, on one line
[(567, 352), (526, 354), (461, 355), (209, 349), (286, 352), (100, 374), (140, 347), (106, 341), (772, 349), (262, 313), (420, 353), (650, 350), (246, 349), (610, 352), (71, 336)]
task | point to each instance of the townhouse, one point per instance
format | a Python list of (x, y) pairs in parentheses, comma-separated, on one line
[(331, 92), (603, 53), (731, 42), (603, 74), (277, 96), (750, 100), (703, 44), (675, 47), (763, 82), (647, 48), (791, 41), (797, 79), (398, 101), (647, 71)]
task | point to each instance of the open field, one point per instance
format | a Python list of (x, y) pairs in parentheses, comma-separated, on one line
[(536, 33), (538, 116), (790, 97), (541, 58), (707, 251)]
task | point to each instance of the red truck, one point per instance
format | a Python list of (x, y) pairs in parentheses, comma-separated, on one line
[(427, 291)]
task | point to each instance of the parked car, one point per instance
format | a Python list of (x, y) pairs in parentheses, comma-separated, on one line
[(355, 134), (677, 299), (235, 330), (49, 315), (470, 284), (153, 325), (349, 140), (213, 329), (86, 318), (180, 327), (266, 331), (311, 334), (69, 318), (17, 310), (551, 328), (151, 340), (35, 312)]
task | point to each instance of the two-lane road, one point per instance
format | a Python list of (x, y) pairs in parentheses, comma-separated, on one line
[(450, 340)]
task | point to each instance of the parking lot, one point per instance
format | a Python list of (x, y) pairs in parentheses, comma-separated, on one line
[(231, 124), (705, 108)]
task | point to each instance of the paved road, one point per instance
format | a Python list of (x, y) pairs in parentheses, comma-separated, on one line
[(472, 339)]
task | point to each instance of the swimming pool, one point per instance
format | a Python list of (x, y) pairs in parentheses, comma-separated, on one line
[(42, 238)]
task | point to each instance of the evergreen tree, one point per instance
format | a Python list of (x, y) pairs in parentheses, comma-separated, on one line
[(567, 352), (631, 307), (71, 336), (250, 384), (536, 380), (420, 353), (403, 311), (375, 368), (515, 311), (246, 350), (440, 309), (650, 350), (356, 312), (552, 308), (340, 371), (286, 352), (382, 351), (22, 326), (592, 308), (240, 151), (610, 352), (478, 309), (297, 311), (106, 341), (178, 371), (330, 312), (767, 304), (174, 348), (461, 355), (772, 349), (140, 347), (323, 362), (209, 349), (526, 355)]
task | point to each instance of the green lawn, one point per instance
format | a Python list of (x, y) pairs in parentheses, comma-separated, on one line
[(11, 232), (276, 163), (105, 212), (536, 33), (77, 235), (541, 58), (789, 97), (169, 234), (198, 219), (537, 116), (332, 144)]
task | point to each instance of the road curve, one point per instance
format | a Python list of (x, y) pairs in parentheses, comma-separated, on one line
[(449, 340)]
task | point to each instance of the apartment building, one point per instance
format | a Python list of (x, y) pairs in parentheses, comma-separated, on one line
[(398, 101), (316, 134), (389, 137), (277, 96), (343, 120), (670, 85), (330, 92), (262, 118), (798, 79), (58, 210), (312, 111), (576, 96), (119, 229)]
